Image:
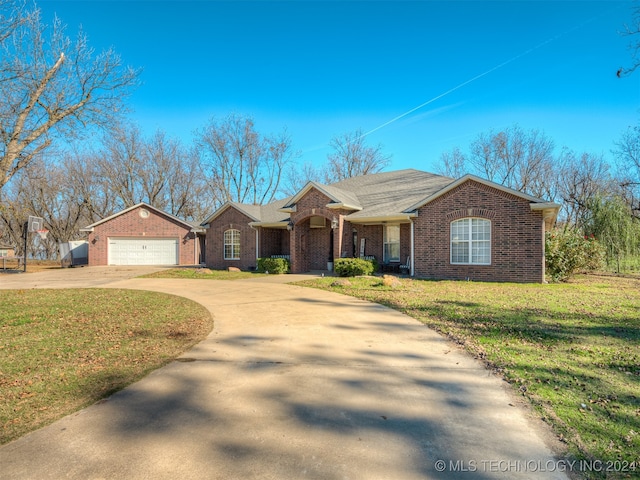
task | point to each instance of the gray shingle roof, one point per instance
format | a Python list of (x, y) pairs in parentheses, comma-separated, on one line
[(393, 195)]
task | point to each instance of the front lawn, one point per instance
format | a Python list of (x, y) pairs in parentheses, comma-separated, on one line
[(572, 349), (61, 350)]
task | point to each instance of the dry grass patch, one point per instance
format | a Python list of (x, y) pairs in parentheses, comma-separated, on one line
[(203, 273), (61, 350)]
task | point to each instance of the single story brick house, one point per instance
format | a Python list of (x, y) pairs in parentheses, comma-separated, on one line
[(427, 225), (144, 235)]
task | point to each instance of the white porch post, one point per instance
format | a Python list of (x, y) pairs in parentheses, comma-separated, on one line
[(412, 249)]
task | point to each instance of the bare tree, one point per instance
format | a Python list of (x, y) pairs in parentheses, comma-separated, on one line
[(51, 86), (511, 157), (581, 179), (627, 155), (453, 164), (352, 157), (298, 177), (515, 158), (632, 30), (242, 165), (120, 164), (157, 170)]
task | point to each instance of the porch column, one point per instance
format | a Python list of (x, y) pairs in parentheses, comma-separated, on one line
[(337, 241), (293, 247), (412, 249)]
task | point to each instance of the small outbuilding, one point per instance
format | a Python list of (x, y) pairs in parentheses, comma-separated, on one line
[(144, 235), (7, 251)]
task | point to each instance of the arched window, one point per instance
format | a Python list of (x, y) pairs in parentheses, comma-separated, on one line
[(232, 245), (471, 241)]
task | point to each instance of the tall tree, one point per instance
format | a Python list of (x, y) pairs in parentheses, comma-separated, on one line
[(453, 164), (157, 170), (51, 86), (518, 159), (611, 222), (581, 179), (632, 30), (627, 155), (241, 164), (352, 157), (297, 178)]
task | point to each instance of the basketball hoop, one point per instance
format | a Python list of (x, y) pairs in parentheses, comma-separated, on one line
[(43, 233)]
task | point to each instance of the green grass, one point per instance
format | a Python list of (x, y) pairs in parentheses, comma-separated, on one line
[(203, 273), (572, 349), (61, 350)]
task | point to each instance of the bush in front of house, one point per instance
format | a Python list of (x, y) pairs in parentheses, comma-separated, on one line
[(352, 267), (273, 265), (568, 251)]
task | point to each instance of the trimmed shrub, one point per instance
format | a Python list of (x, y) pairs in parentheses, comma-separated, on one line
[(273, 265), (351, 267), (568, 252)]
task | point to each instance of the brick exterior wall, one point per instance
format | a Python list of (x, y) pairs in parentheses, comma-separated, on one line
[(236, 220), (517, 236), (131, 225), (274, 241), (310, 248)]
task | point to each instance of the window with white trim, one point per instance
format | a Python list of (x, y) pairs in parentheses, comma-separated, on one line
[(232, 245), (391, 243), (471, 241)]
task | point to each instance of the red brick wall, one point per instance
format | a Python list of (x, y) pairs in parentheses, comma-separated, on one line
[(517, 236), (374, 240), (131, 224), (274, 241), (231, 219), (310, 247)]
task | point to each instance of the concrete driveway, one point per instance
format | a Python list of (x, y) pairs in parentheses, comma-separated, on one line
[(296, 383)]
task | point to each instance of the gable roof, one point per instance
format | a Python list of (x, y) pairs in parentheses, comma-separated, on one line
[(269, 213), (340, 198), (549, 209), (387, 196), (193, 227)]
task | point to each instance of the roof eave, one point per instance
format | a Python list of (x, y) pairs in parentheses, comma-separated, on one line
[(464, 179), (345, 206), (223, 209), (549, 212), (381, 219)]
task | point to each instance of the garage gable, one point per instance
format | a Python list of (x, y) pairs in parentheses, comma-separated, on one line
[(143, 235)]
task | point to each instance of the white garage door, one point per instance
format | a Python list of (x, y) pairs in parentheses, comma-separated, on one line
[(143, 251)]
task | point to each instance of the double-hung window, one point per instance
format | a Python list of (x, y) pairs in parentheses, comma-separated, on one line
[(391, 243), (232, 245), (471, 241)]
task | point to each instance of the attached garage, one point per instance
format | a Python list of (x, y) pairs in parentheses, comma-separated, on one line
[(143, 251), (144, 235)]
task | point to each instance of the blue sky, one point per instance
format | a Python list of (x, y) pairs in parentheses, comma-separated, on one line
[(324, 68)]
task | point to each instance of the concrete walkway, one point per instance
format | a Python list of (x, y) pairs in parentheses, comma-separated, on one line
[(296, 383)]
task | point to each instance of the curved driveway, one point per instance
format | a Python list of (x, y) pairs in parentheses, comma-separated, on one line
[(295, 383)]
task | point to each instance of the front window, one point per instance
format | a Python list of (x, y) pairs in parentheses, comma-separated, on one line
[(232, 245), (391, 243), (471, 241)]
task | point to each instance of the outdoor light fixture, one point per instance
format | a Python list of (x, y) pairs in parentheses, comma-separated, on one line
[(334, 223), (290, 225)]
